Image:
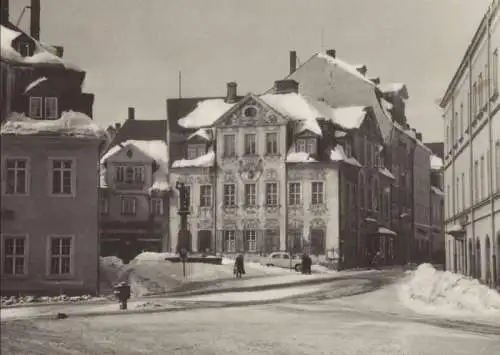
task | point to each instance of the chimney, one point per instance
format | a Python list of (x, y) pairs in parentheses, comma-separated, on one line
[(59, 51), (131, 113), (293, 61), (332, 53), (419, 136), (118, 126), (376, 80), (362, 69), (35, 19), (286, 86), (232, 92), (4, 9)]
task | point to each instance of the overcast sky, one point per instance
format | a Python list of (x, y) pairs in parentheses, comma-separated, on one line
[(133, 50)]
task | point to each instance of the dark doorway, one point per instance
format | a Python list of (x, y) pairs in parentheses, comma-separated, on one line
[(318, 240), (204, 241)]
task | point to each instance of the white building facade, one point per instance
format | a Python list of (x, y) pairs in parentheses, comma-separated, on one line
[(471, 169)]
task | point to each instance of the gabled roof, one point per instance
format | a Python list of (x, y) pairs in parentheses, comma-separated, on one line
[(141, 130)]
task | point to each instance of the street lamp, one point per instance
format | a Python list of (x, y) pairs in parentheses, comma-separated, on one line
[(183, 212)]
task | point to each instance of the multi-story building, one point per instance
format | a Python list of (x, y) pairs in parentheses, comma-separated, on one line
[(280, 171), (437, 202), (134, 186), (471, 106), (50, 152)]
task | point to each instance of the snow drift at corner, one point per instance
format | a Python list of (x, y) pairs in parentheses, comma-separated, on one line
[(427, 290)]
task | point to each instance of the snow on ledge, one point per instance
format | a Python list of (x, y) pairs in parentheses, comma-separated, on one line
[(386, 172), (71, 123), (349, 117), (205, 113), (299, 157), (35, 84), (385, 231), (338, 154), (437, 191), (429, 291), (455, 228), (436, 162), (204, 161)]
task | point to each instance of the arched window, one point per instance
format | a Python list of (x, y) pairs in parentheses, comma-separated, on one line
[(478, 259)]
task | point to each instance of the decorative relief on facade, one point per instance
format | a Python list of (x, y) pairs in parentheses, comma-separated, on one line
[(251, 223), (204, 224), (205, 212), (295, 175), (272, 224), (229, 224), (307, 174), (272, 210), (296, 223), (318, 223), (229, 176), (271, 175), (205, 179), (230, 210), (251, 169), (318, 209), (252, 210)]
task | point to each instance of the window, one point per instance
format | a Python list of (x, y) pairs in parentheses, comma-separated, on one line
[(205, 196), (129, 174), (35, 107), (104, 201), (462, 120), (494, 72), (497, 164), (369, 154), (229, 148), (375, 194), (483, 187), (474, 101), (25, 49), (447, 138), (448, 202), (62, 176), (51, 112), (476, 181), (271, 194), (60, 256), (306, 145), (480, 89), (251, 240), (294, 193), (16, 176), (271, 143), (156, 208), (250, 144), (128, 206), (458, 204), (229, 195), (317, 193), (14, 255), (195, 150), (250, 194), (45, 108), (230, 241), (348, 149), (488, 170)]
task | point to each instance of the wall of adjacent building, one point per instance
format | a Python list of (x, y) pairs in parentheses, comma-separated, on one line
[(39, 215)]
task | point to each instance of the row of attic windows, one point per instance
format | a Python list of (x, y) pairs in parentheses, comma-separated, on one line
[(45, 108)]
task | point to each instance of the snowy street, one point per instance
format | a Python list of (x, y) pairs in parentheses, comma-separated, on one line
[(349, 315)]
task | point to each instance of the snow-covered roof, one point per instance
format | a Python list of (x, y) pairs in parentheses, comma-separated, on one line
[(296, 107), (349, 117), (41, 54), (205, 133), (71, 123), (436, 162), (386, 231), (155, 149), (344, 66), (34, 84), (386, 172), (205, 113), (204, 161), (160, 182), (437, 191), (338, 154), (299, 157), (392, 87)]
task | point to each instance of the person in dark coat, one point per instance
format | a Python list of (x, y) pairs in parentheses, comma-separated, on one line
[(306, 264), (239, 266)]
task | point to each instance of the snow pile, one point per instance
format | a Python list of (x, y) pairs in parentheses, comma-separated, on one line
[(205, 113), (429, 290), (436, 162), (71, 123), (296, 107), (299, 157), (63, 299), (41, 54), (206, 160)]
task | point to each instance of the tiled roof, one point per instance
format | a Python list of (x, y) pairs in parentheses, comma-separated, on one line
[(141, 130)]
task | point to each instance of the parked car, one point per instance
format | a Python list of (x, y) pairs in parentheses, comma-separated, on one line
[(282, 259)]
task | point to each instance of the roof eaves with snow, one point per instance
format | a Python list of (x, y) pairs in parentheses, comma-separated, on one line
[(205, 114), (344, 66)]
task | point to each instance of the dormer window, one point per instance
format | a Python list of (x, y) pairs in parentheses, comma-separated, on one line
[(306, 145), (130, 174), (348, 149), (25, 49), (195, 150), (43, 108)]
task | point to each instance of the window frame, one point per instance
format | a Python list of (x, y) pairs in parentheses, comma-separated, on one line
[(49, 256), (73, 177), (228, 236), (31, 101), (25, 256), (122, 204), (317, 198), (229, 153), (270, 195), (51, 115), (297, 196), (250, 239), (274, 143), (229, 200), (199, 149), (250, 144), (104, 204), (250, 196), (204, 197), (154, 203), (5, 171)]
